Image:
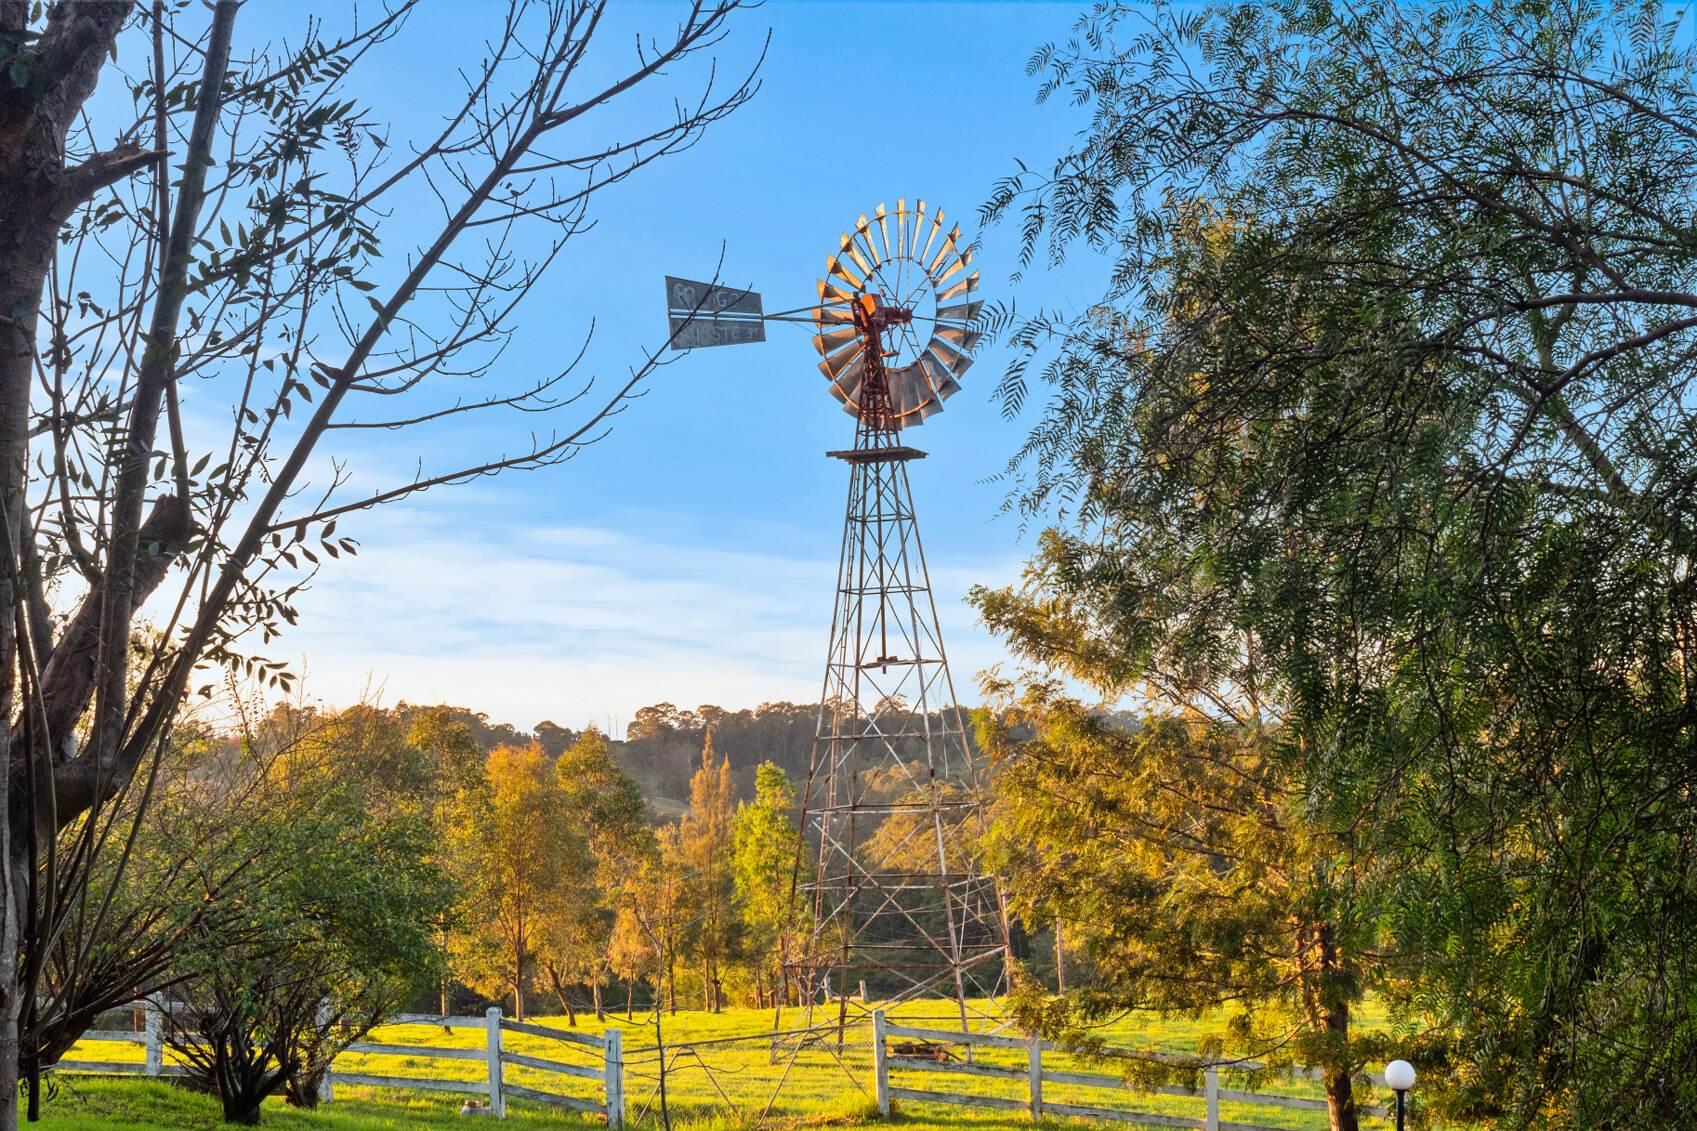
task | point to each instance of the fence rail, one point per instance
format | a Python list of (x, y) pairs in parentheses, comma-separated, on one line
[(1035, 1074), (1008, 1062), (493, 1055)]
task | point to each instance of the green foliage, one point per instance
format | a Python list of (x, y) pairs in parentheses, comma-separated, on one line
[(606, 803), (333, 897), (1180, 856), (519, 866), (604, 808), (767, 855), (1383, 433), (704, 854)]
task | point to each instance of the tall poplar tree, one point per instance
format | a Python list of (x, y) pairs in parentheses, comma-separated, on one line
[(768, 852), (707, 848)]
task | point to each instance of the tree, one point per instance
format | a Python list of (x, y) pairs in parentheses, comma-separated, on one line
[(605, 808), (233, 226), (631, 955), (454, 763), (767, 852), (516, 861), (334, 934), (555, 739), (188, 880), (661, 903), (1388, 407), (572, 933), (705, 846), (1180, 856)]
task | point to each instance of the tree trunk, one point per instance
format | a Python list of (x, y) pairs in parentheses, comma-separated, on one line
[(301, 1089), (595, 996), (518, 978), (242, 1109), (1340, 1100), (565, 1004), (20, 290), (1340, 1096), (630, 999)]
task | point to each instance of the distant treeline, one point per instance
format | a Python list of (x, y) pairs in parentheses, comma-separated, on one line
[(662, 745)]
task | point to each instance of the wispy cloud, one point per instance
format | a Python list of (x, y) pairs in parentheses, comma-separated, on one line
[(580, 623)]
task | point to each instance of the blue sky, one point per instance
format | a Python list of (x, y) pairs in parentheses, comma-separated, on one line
[(690, 556)]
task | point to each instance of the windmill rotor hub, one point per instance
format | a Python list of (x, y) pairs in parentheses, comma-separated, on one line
[(895, 316), (872, 314)]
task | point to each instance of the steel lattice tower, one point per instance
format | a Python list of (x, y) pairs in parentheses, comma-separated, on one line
[(892, 898)]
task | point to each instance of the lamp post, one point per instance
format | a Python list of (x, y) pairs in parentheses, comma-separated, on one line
[(1399, 1074)]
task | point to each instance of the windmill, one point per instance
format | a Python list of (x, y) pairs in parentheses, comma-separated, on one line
[(891, 904)]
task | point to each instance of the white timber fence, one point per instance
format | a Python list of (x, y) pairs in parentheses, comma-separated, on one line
[(930, 1051), (495, 1085)]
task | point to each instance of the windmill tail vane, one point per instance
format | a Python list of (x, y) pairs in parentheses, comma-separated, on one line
[(890, 904)]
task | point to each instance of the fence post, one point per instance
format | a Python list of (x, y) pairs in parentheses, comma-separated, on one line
[(613, 1059), (1211, 1084), (150, 1027), (492, 1050), (326, 1087), (1034, 1072), (880, 1068)]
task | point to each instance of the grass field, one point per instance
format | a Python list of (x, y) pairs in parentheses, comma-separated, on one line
[(723, 1084)]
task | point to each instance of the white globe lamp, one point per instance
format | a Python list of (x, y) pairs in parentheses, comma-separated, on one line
[(1399, 1077)]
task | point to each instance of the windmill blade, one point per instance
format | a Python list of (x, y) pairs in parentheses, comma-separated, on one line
[(944, 251), (835, 266), (851, 374), (936, 373), (960, 312), (944, 373), (907, 390), (852, 250), (964, 287), (883, 228), (847, 387), (833, 316), (947, 354), (960, 265), (916, 391), (950, 363), (863, 239), (868, 245), (960, 337), (930, 237), (834, 365), (830, 292), (834, 340), (902, 215)]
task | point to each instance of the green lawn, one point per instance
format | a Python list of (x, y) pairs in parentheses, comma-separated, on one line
[(720, 1085)]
